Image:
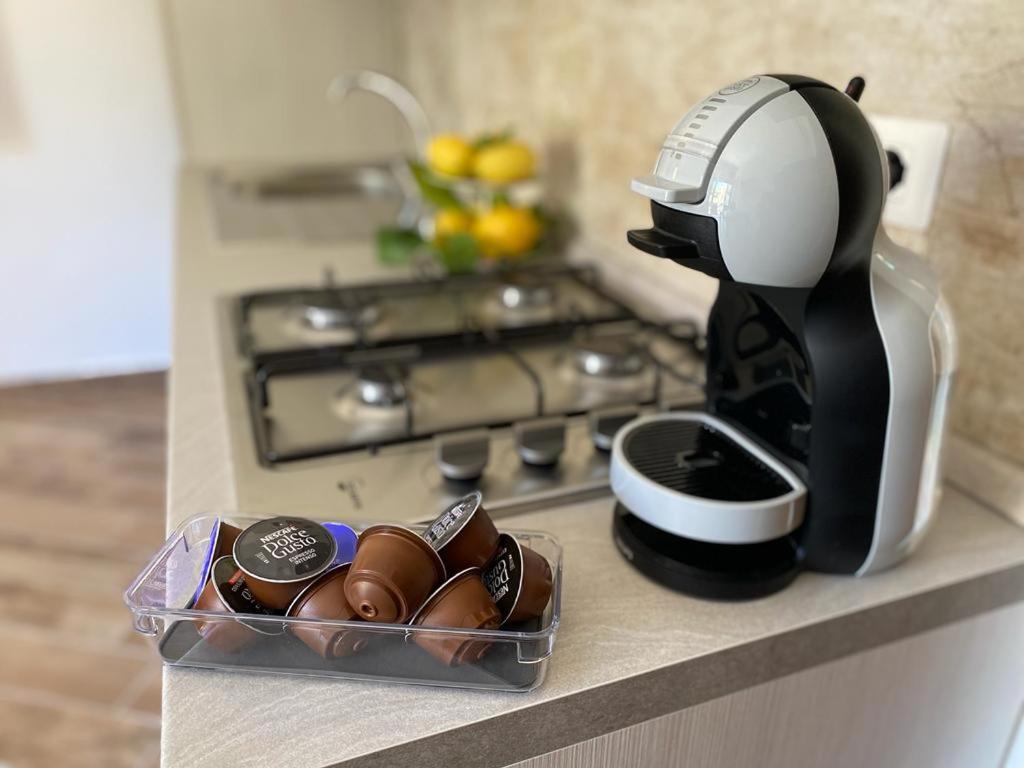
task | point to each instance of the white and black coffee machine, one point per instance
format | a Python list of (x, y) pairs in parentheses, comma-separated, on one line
[(829, 353)]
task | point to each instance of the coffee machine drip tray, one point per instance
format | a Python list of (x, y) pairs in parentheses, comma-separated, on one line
[(703, 508)]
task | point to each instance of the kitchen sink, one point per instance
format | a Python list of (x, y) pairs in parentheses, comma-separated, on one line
[(319, 182), (319, 203)]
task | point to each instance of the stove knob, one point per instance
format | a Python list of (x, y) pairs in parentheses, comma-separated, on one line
[(463, 456), (604, 425), (540, 443)]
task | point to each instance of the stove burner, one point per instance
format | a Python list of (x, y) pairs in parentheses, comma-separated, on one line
[(329, 316), (609, 357), (382, 387), (525, 295)]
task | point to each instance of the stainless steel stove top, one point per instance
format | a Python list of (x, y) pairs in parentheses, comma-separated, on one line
[(373, 400), (295, 320)]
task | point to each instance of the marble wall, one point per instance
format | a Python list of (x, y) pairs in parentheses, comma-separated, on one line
[(597, 85)]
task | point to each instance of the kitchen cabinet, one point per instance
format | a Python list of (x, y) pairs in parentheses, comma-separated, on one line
[(949, 697)]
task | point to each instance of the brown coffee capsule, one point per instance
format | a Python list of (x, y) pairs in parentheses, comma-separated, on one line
[(463, 534), (393, 573), (222, 539), (325, 599), (227, 592), (281, 556), (224, 542), (518, 580), (461, 602)]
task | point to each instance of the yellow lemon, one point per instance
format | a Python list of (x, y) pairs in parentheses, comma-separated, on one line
[(506, 231), (504, 161), (450, 154), (451, 221)]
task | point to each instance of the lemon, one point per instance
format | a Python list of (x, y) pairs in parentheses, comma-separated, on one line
[(450, 154), (506, 231), (451, 221), (504, 161)]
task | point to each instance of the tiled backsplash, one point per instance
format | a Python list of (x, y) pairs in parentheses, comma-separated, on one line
[(597, 84)]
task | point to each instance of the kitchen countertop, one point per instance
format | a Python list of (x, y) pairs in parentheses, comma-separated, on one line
[(627, 650)]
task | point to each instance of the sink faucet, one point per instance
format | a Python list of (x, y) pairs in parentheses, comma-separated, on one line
[(415, 118), (390, 89)]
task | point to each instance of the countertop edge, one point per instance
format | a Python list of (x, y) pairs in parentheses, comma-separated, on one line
[(603, 709)]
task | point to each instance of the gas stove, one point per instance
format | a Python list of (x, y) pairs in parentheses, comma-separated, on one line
[(392, 399)]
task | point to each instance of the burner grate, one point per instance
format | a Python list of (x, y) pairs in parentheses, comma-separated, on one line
[(393, 379)]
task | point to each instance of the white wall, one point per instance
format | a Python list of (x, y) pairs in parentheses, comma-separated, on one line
[(251, 79), (88, 151)]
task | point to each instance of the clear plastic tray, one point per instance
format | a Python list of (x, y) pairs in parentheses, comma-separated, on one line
[(159, 599)]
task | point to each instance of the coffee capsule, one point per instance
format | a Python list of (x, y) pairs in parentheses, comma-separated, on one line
[(393, 573), (225, 539), (518, 580), (463, 534), (227, 592), (346, 539), (325, 599), (461, 602), (222, 539), (280, 556)]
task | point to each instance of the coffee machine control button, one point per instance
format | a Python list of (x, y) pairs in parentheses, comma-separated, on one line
[(605, 424), (540, 443), (690, 152), (463, 456), (681, 167)]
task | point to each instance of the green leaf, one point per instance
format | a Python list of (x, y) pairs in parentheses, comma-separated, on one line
[(459, 253), (397, 246), (493, 138), (433, 191)]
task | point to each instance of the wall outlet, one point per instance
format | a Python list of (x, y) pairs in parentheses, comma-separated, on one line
[(921, 145)]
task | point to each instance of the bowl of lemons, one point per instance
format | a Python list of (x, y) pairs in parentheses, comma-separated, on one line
[(481, 207)]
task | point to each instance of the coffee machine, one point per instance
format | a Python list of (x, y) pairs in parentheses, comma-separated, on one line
[(830, 353)]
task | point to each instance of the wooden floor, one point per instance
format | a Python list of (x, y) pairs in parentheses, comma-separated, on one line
[(82, 468)]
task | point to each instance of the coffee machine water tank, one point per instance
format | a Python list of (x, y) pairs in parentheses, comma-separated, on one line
[(830, 351)]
